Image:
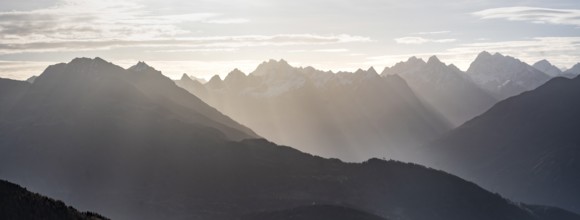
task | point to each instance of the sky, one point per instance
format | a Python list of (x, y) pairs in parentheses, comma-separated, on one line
[(207, 37)]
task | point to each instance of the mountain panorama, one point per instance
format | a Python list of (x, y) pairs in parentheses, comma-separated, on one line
[(282, 142)]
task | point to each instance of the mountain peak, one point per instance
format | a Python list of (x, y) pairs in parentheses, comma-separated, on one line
[(434, 59), (546, 67), (543, 62), (215, 78), (141, 66), (185, 77), (574, 70), (372, 70), (414, 60), (273, 67), (235, 75), (484, 54), (236, 71)]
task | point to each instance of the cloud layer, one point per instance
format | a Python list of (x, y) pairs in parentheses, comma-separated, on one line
[(422, 40), (533, 14)]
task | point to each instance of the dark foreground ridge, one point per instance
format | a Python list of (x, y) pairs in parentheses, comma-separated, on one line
[(314, 212), (18, 204)]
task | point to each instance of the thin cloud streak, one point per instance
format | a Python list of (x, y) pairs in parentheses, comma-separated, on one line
[(422, 40), (190, 43), (533, 14)]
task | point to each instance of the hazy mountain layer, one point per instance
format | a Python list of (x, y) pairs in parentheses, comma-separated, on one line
[(351, 116), (526, 147), (504, 76), (447, 89), (88, 135)]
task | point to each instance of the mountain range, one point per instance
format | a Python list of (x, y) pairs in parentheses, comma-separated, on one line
[(444, 87), (525, 147), (351, 116), (504, 76), (130, 144)]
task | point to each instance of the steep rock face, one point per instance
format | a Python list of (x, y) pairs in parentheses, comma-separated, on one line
[(351, 116), (504, 76), (447, 89), (525, 147)]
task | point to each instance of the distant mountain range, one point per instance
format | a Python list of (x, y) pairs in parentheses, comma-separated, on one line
[(130, 144), (18, 203), (526, 147), (504, 76), (351, 116), (444, 87), (355, 116)]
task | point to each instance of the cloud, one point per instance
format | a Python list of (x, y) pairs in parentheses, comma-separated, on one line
[(99, 19), (223, 42), (228, 21), (86, 25), (21, 70), (533, 14), (422, 40), (332, 50), (433, 32)]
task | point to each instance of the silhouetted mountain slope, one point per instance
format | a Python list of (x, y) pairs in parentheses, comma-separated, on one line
[(191, 85), (31, 79), (526, 147), (446, 88), (87, 87), (87, 135), (16, 203), (504, 76), (314, 212), (351, 116), (10, 92)]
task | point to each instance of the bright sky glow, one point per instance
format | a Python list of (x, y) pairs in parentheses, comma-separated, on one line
[(207, 37)]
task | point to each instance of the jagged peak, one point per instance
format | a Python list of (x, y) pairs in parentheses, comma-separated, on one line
[(215, 78), (414, 59), (543, 62), (372, 70), (484, 54), (359, 71), (453, 67), (85, 60), (236, 71), (235, 74), (386, 70), (434, 59), (141, 66), (272, 66), (185, 77)]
